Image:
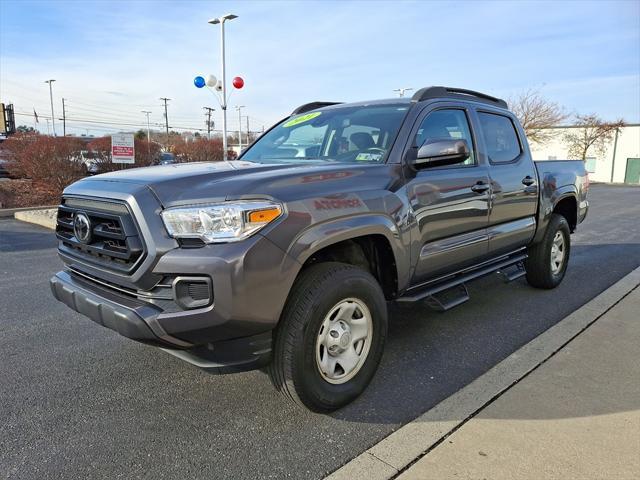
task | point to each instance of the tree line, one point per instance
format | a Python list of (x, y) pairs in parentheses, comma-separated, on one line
[(54, 162), (540, 117)]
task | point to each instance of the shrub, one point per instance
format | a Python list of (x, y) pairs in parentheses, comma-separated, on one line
[(200, 150), (51, 162)]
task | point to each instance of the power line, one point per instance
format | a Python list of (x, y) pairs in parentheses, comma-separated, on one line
[(82, 121)]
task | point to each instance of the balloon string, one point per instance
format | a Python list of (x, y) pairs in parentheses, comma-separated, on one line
[(215, 94)]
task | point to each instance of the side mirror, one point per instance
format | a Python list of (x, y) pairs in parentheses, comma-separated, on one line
[(438, 152)]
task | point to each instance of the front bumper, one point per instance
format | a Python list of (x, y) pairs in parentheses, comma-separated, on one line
[(139, 321)]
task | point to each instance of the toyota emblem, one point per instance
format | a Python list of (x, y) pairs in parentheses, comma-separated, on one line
[(82, 227)]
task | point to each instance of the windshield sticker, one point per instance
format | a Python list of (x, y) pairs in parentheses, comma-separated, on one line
[(301, 119), (368, 157)]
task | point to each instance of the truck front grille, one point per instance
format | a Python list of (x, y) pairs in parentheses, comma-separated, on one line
[(113, 241)]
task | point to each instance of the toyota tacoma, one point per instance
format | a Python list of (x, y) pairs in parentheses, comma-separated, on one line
[(286, 258)]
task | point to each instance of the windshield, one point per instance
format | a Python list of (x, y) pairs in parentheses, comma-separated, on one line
[(343, 134)]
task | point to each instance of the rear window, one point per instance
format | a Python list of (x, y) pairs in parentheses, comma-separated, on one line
[(500, 137)]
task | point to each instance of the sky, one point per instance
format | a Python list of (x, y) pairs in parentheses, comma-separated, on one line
[(113, 59)]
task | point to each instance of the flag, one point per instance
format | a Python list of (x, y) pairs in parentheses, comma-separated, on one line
[(35, 115)]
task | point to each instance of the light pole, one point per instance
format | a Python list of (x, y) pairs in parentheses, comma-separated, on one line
[(239, 110), (223, 105), (147, 113), (402, 90), (53, 121)]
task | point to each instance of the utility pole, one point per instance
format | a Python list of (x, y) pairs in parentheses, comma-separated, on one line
[(239, 109), (248, 131), (208, 114), (166, 118), (53, 121), (64, 120), (147, 113)]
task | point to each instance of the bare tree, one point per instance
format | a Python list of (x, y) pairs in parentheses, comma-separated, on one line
[(592, 134), (537, 115)]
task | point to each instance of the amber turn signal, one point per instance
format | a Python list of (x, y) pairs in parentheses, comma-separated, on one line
[(264, 216)]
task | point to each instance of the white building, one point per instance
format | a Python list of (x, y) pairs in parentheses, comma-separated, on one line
[(619, 164)]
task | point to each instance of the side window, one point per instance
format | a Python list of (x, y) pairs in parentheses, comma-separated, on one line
[(500, 137), (446, 124)]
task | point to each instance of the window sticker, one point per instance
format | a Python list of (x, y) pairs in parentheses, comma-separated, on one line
[(301, 119), (368, 157)]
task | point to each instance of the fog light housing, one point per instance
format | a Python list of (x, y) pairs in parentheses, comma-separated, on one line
[(192, 292)]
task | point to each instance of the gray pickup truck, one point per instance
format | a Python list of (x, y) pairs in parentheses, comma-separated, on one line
[(286, 258)]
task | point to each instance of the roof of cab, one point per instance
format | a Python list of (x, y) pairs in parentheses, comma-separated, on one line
[(423, 94)]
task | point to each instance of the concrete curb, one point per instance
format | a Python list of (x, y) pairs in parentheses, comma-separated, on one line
[(392, 455), (43, 217)]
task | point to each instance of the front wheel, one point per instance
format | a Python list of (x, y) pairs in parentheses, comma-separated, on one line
[(548, 259), (331, 336)]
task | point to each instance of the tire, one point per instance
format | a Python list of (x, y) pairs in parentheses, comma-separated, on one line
[(300, 350), (541, 271)]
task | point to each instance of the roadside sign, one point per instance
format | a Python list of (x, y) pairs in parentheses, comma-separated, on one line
[(3, 124), (122, 149)]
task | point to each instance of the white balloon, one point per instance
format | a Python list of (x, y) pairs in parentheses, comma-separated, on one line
[(219, 86), (211, 81)]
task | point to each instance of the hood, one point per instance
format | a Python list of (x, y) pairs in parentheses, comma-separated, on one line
[(189, 183)]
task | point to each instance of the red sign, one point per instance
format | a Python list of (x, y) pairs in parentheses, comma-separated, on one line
[(122, 148)]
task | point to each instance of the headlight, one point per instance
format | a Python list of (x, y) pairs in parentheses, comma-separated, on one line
[(222, 222)]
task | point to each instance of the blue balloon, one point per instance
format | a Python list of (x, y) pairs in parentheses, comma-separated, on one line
[(199, 82)]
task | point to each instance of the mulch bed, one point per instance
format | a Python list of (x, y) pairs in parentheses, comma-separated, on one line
[(25, 193)]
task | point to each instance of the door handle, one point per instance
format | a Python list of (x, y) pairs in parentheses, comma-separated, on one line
[(480, 187), (528, 180)]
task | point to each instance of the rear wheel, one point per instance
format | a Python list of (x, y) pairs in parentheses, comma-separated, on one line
[(548, 259), (331, 336)]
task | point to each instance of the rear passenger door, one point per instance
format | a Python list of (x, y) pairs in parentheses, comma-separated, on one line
[(514, 182), (450, 204)]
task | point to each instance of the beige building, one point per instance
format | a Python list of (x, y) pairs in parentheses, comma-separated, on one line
[(620, 163)]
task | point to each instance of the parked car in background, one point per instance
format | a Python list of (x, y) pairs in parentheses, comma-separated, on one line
[(288, 261), (90, 162), (166, 158), (4, 171)]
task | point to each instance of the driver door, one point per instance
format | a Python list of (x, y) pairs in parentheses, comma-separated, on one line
[(450, 203)]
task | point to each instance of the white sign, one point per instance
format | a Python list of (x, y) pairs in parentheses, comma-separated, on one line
[(122, 148)]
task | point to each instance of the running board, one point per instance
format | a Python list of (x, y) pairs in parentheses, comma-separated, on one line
[(448, 299), (510, 274), (431, 290)]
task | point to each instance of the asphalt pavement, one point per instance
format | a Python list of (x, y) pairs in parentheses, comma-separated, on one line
[(77, 400)]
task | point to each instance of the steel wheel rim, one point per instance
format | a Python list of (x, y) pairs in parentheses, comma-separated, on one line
[(344, 341), (558, 252)]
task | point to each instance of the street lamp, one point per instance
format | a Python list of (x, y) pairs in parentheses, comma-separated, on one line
[(223, 105), (53, 117), (147, 113), (401, 91), (239, 110)]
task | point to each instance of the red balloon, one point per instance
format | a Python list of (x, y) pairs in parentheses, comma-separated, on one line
[(238, 82)]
